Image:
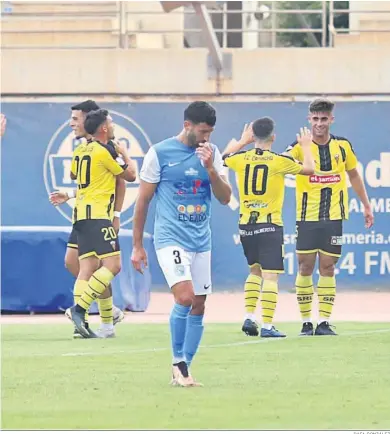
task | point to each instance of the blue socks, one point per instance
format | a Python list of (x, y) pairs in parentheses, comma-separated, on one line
[(193, 336), (186, 333), (178, 325)]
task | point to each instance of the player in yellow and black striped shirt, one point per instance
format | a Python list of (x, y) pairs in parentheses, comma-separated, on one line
[(109, 313), (261, 175), (322, 205), (95, 165)]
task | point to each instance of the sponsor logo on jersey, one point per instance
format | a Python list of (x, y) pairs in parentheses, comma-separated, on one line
[(255, 204), (325, 179)]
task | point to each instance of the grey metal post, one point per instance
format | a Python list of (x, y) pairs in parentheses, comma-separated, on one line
[(224, 25), (122, 18), (212, 41), (331, 23), (324, 28), (273, 24)]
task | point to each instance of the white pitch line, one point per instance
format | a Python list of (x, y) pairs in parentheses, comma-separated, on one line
[(255, 341), (227, 345)]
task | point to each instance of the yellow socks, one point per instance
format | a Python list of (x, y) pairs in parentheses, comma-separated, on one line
[(105, 310), (326, 290), (269, 298), (98, 282), (79, 287), (252, 293), (304, 289)]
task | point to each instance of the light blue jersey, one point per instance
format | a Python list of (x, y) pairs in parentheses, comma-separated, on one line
[(183, 195)]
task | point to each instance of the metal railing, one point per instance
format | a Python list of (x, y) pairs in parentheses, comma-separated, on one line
[(274, 30), (119, 15), (334, 31), (225, 31)]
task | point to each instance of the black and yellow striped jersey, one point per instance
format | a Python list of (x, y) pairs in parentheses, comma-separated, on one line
[(95, 167), (324, 195), (261, 184)]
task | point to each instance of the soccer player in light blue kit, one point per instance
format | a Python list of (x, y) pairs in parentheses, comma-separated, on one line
[(181, 172)]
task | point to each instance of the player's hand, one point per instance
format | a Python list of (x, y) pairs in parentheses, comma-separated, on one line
[(205, 154), (3, 124), (368, 217), (120, 149), (116, 223), (139, 258), (247, 135), (304, 137), (58, 197)]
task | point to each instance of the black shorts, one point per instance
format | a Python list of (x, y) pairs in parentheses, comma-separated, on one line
[(72, 241), (324, 237), (96, 238), (263, 245)]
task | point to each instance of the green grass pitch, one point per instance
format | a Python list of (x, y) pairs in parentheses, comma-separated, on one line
[(50, 381)]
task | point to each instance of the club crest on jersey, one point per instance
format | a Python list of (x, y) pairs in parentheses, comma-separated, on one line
[(58, 160), (337, 158)]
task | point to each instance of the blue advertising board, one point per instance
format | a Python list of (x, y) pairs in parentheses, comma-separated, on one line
[(38, 144)]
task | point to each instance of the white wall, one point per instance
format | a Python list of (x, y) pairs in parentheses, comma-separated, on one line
[(291, 70)]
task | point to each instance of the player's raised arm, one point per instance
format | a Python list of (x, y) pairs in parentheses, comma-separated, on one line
[(305, 139), (246, 139), (294, 151), (129, 172)]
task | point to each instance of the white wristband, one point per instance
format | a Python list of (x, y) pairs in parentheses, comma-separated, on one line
[(117, 214), (71, 194)]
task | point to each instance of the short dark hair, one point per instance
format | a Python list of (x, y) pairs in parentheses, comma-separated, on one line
[(321, 105), (263, 128), (94, 119), (86, 106), (200, 111)]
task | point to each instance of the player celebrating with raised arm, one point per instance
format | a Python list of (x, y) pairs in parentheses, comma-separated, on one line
[(108, 312), (95, 165), (181, 171), (261, 175), (322, 205)]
